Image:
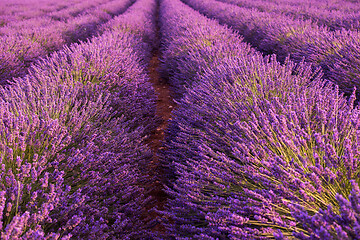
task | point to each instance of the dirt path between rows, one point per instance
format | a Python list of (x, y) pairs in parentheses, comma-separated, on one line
[(164, 107)]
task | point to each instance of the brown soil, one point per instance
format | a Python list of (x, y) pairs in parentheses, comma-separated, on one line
[(165, 103), (164, 107)]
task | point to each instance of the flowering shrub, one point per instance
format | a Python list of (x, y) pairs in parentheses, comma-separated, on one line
[(301, 39), (26, 41), (260, 150), (345, 15), (189, 53), (74, 161)]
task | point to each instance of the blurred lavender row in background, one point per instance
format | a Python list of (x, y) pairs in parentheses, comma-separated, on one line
[(23, 42), (336, 17), (272, 33)]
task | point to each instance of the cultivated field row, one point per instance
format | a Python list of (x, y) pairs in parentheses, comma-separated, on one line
[(263, 142)]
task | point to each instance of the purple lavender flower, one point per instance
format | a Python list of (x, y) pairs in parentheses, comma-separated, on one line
[(74, 161), (275, 33), (252, 138)]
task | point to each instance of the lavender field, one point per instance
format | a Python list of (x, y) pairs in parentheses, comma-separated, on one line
[(179, 119)]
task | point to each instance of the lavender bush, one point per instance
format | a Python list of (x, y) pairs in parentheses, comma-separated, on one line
[(75, 9), (252, 172), (274, 33), (260, 150), (256, 149), (27, 41), (15, 10), (74, 159), (189, 53), (139, 20), (334, 19)]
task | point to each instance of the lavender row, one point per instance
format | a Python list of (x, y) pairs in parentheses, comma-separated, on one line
[(256, 149), (31, 27), (336, 52), (15, 10), (179, 45), (334, 20), (72, 143), (329, 5), (74, 10), (137, 21), (24, 44)]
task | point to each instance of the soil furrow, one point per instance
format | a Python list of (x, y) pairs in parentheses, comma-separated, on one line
[(164, 106)]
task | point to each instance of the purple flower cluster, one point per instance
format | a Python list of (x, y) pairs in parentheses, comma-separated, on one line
[(70, 10), (256, 149), (345, 6), (333, 18), (14, 10), (23, 42), (138, 20), (73, 158), (274, 33), (197, 43)]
